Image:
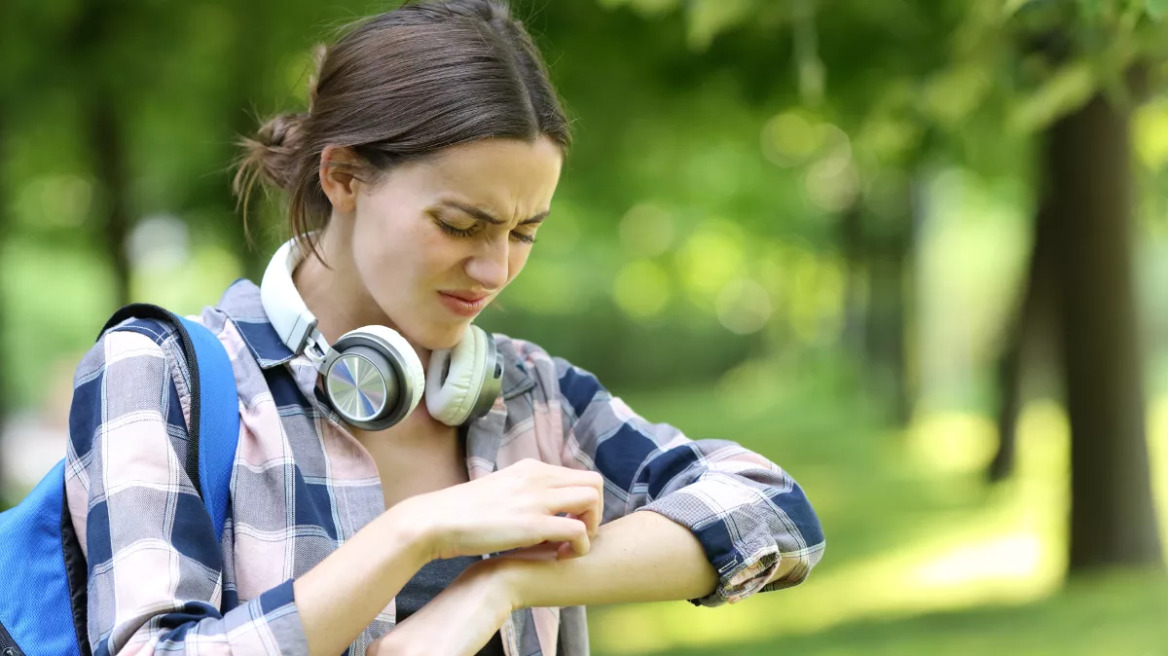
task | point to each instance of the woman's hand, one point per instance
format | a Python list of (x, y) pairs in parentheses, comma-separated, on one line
[(458, 622), (512, 508)]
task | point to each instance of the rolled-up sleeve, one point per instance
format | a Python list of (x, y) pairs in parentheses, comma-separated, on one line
[(754, 522), (155, 568)]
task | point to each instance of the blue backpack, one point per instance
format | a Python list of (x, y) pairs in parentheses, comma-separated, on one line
[(41, 563)]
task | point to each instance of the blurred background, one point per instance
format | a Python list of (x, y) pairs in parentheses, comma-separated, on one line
[(911, 250)]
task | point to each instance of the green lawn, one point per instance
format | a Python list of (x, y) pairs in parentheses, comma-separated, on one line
[(922, 556), (1120, 615)]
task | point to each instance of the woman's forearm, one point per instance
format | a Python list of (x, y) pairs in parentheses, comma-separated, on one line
[(342, 595), (638, 558)]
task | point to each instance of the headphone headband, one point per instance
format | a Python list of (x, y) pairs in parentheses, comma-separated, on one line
[(291, 318)]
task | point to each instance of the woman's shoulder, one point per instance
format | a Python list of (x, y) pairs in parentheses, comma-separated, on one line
[(139, 362), (133, 376), (144, 335), (132, 339)]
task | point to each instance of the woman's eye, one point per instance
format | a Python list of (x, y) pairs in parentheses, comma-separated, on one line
[(454, 230), (457, 231)]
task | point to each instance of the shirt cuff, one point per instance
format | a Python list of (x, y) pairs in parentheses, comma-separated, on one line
[(278, 608), (740, 542)]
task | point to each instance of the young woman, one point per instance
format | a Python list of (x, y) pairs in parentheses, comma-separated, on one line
[(361, 508)]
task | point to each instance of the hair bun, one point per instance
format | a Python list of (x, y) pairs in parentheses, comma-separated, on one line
[(272, 153), (281, 132)]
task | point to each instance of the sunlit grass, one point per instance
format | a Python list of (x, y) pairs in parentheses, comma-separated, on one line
[(967, 544), (1116, 615), (1158, 454)]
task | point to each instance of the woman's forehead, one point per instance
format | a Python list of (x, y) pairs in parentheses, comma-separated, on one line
[(497, 173)]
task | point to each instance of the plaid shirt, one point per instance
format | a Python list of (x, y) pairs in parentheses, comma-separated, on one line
[(160, 583)]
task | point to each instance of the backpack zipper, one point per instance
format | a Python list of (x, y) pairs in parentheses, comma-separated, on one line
[(8, 646)]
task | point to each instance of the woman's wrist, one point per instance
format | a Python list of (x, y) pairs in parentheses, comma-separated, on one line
[(408, 523), (490, 578), (478, 600), (512, 578)]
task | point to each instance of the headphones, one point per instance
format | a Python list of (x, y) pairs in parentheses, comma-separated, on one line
[(372, 377)]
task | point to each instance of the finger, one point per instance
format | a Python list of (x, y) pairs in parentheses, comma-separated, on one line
[(556, 476), (562, 529), (594, 515), (564, 551), (540, 476), (580, 502), (541, 551), (591, 521)]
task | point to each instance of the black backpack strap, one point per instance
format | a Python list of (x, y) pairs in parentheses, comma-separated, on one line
[(77, 575)]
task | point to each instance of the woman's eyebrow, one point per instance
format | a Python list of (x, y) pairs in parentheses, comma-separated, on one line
[(485, 216)]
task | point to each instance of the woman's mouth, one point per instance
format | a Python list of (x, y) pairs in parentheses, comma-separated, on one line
[(464, 304)]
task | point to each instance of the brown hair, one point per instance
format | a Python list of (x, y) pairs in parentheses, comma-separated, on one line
[(399, 86)]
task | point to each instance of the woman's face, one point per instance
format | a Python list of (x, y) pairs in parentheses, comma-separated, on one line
[(438, 239)]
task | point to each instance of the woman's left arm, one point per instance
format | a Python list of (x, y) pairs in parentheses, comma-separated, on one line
[(753, 527), (638, 558), (703, 520)]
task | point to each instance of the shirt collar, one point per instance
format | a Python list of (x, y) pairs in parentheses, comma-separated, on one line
[(242, 305)]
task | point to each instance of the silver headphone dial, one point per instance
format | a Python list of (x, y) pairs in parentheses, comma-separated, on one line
[(356, 387)]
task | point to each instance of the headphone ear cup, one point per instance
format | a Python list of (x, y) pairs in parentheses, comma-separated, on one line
[(456, 378), (363, 387), (373, 378)]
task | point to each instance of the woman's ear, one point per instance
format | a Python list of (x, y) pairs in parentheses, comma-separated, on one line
[(338, 167)]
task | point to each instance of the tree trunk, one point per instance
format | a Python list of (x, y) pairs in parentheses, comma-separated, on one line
[(889, 268), (886, 327), (106, 141), (1030, 320), (851, 241), (1009, 375), (1112, 517)]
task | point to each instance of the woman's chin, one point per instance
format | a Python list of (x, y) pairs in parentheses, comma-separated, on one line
[(440, 339)]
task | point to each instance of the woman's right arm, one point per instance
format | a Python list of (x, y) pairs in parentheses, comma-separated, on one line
[(155, 568), (512, 508)]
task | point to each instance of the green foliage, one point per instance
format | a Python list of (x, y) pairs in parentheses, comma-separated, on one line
[(1156, 9), (776, 118), (1068, 88)]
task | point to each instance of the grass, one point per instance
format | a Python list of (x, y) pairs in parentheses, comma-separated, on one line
[(1119, 615), (923, 556)]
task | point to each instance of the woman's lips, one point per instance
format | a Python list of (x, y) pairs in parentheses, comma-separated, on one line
[(462, 306)]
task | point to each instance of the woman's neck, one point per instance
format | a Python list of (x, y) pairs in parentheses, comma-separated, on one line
[(335, 294)]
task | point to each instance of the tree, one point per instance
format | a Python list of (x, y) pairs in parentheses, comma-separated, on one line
[(1033, 321), (1065, 70), (1113, 520), (1093, 53)]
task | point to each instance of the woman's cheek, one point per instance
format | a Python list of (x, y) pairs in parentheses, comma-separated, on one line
[(517, 261)]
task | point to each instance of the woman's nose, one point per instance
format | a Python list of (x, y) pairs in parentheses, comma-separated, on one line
[(489, 266)]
